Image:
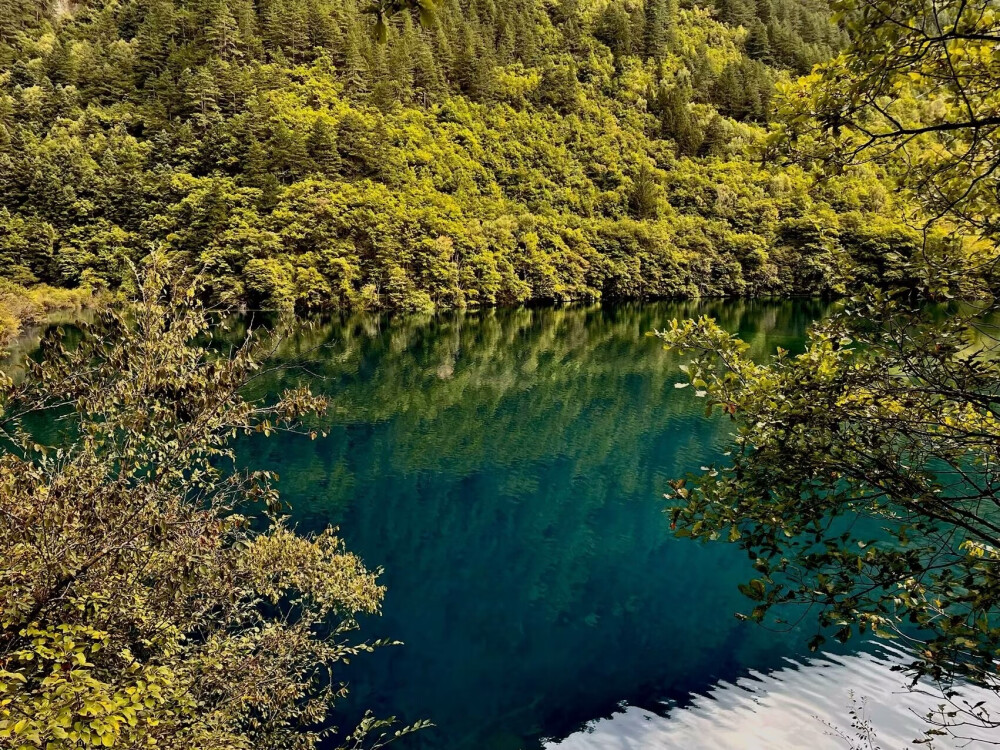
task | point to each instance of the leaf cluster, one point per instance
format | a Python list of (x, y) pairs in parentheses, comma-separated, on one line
[(863, 483), (153, 593)]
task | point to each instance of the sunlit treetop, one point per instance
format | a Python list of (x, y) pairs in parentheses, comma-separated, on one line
[(918, 90)]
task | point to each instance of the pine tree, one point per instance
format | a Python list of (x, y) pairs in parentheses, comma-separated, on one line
[(655, 34), (643, 196), (59, 65), (614, 28), (220, 29), (506, 42), (765, 12), (716, 136), (401, 60), (672, 15), (357, 73), (152, 40), (676, 122), (728, 94), (473, 64), (758, 46), (202, 93), (287, 150), (323, 31), (737, 12), (427, 80), (13, 17), (321, 146)]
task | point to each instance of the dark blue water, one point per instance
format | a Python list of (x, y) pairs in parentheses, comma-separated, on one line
[(506, 470)]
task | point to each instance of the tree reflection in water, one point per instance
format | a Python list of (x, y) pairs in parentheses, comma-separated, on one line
[(505, 467)]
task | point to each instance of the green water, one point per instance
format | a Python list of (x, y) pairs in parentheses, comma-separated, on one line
[(505, 468)]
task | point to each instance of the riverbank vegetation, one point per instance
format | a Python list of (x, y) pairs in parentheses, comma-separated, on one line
[(153, 595), (505, 151), (23, 306)]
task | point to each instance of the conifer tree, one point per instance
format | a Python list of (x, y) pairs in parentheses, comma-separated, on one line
[(614, 28), (220, 29), (401, 61), (676, 122), (153, 38), (758, 46), (427, 81), (321, 145), (643, 197), (289, 155), (357, 73), (655, 32)]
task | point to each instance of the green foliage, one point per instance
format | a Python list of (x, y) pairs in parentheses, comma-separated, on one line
[(862, 481), (917, 91), (153, 593), (20, 306), (496, 153)]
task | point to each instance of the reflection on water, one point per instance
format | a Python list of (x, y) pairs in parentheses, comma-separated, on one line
[(505, 468), (14, 357), (803, 704)]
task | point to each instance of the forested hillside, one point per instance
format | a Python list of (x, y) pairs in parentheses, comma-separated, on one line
[(502, 151)]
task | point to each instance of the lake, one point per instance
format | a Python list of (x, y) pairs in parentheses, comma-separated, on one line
[(506, 470)]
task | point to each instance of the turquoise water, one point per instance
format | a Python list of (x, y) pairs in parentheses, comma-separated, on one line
[(506, 470)]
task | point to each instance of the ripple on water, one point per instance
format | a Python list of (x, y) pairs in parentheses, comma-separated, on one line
[(802, 704)]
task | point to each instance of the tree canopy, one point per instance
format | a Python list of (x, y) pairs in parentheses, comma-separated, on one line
[(505, 151), (916, 90), (863, 482), (153, 592)]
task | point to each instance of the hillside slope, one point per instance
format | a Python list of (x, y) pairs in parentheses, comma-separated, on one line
[(510, 150)]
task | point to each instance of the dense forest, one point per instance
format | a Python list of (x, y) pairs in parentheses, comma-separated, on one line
[(502, 151)]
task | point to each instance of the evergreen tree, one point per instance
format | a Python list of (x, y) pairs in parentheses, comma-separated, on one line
[(676, 122), (153, 39), (614, 28), (321, 145), (220, 29), (401, 60), (506, 42), (671, 16), (202, 93), (715, 138), (288, 153), (324, 32), (357, 73), (427, 80), (737, 12), (643, 198), (758, 45), (655, 30), (765, 12)]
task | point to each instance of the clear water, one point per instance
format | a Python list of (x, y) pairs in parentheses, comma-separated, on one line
[(506, 470)]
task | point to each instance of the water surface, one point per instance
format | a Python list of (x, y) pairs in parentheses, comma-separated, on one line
[(506, 470)]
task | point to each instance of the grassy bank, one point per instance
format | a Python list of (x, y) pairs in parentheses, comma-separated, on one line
[(23, 306)]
